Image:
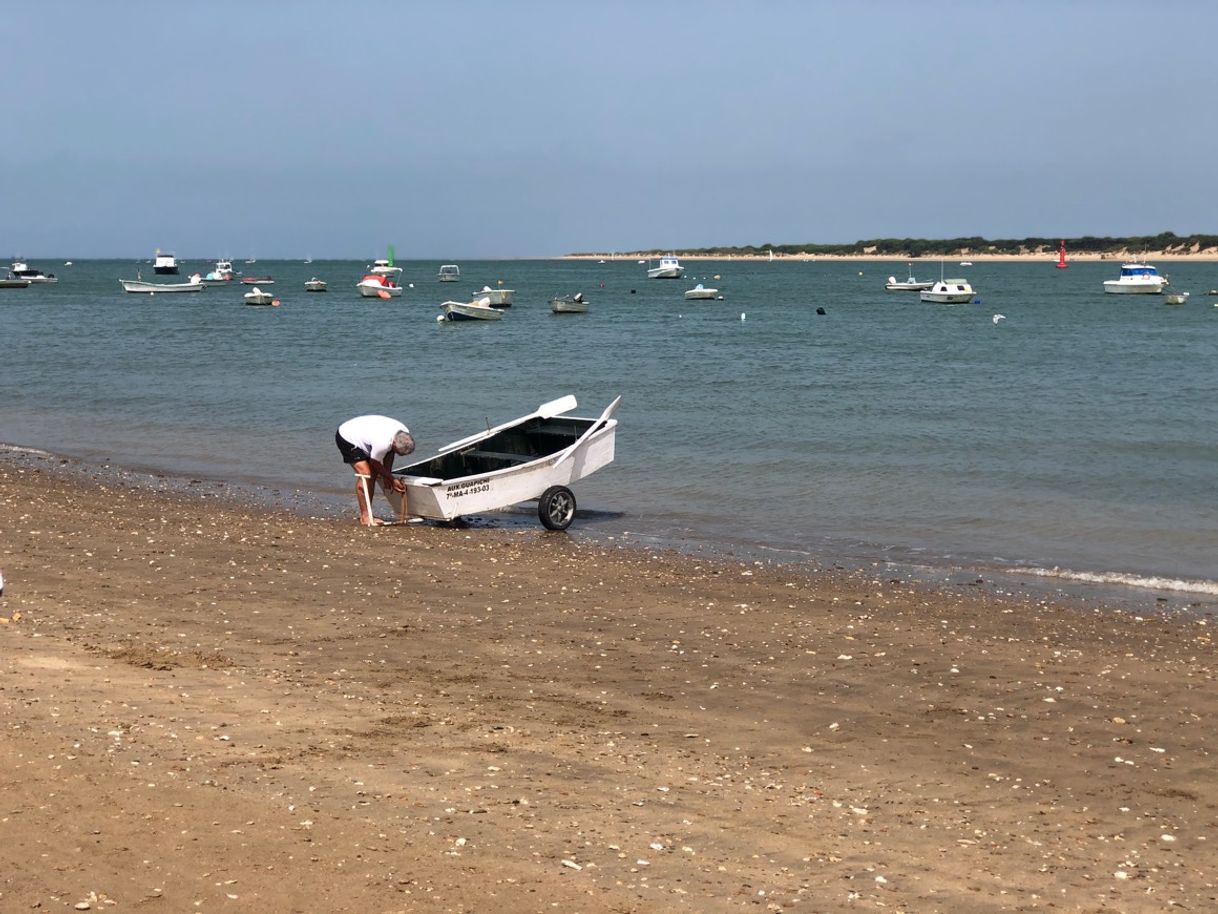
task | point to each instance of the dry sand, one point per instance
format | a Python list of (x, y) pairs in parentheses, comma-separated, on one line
[(211, 707)]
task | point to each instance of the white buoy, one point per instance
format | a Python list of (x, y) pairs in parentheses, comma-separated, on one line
[(742, 315)]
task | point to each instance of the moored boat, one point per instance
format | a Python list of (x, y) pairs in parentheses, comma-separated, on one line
[(450, 272), (221, 272), (14, 282), (165, 264), (477, 310), (949, 292), (498, 298), (22, 270), (908, 285), (152, 288), (669, 268), (569, 304), (257, 297), (701, 292), (1175, 298), (315, 285), (257, 281), (1136, 279), (378, 285)]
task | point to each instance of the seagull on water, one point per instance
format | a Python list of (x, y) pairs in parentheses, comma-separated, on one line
[(999, 317)]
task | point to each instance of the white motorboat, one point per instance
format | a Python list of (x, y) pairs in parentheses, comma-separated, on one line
[(499, 298), (385, 266), (379, 285), (669, 268), (315, 285), (700, 291), (154, 288), (22, 270), (908, 285), (477, 310), (536, 457), (569, 304), (165, 264), (14, 282), (949, 292), (1136, 279), (450, 272), (1175, 298), (221, 272), (256, 296)]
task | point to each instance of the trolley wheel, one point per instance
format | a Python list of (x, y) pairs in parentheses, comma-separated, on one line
[(556, 507)]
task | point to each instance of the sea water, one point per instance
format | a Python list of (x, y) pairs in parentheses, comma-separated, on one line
[(1073, 438)]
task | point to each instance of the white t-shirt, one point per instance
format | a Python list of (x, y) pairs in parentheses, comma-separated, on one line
[(374, 434)]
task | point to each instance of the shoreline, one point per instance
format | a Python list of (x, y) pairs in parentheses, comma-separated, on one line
[(236, 706), (1047, 258), (1123, 591)]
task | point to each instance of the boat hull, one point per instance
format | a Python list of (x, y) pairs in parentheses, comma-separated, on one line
[(315, 285), (153, 288), (467, 311), (665, 273), (1116, 287), (496, 298), (14, 283), (697, 294), (374, 290), (568, 305), (947, 298)]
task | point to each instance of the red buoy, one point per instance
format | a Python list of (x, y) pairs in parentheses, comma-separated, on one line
[(1061, 256)]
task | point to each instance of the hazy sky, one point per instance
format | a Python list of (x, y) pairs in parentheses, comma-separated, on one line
[(472, 128)]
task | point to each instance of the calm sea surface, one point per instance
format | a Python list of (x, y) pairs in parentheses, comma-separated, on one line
[(1076, 439)]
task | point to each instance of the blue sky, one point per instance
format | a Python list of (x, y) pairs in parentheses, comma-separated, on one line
[(472, 128)]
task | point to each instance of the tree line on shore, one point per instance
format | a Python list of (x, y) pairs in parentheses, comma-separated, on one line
[(1164, 242)]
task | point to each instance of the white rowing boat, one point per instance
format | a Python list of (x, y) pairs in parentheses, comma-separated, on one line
[(537, 456)]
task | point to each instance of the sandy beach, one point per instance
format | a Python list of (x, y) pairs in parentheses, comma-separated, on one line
[(215, 706)]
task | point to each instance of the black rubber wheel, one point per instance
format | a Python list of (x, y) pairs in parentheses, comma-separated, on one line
[(556, 507)]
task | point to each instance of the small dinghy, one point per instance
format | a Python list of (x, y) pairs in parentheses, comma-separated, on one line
[(257, 297), (479, 310), (569, 304), (536, 457)]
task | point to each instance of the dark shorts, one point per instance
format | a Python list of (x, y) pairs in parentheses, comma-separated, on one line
[(351, 453)]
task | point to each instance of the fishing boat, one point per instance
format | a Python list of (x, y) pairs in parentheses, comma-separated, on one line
[(477, 310), (315, 285), (220, 273), (450, 272), (569, 304), (669, 268), (535, 457), (1061, 256), (257, 297), (378, 285), (14, 282), (164, 264), (22, 270), (1136, 279), (498, 298), (701, 292), (908, 285), (154, 288)]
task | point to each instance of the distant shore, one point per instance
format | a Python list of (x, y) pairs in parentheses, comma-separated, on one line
[(1118, 257)]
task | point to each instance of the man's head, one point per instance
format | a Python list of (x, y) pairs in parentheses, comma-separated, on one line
[(403, 443)]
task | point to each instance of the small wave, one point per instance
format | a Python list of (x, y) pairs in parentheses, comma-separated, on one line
[(18, 449), (1130, 580)]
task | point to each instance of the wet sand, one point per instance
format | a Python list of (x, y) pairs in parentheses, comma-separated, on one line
[(212, 706)]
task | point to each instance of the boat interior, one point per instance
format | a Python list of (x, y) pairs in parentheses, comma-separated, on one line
[(531, 440)]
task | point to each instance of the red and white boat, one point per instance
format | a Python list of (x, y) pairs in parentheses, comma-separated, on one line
[(378, 285)]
